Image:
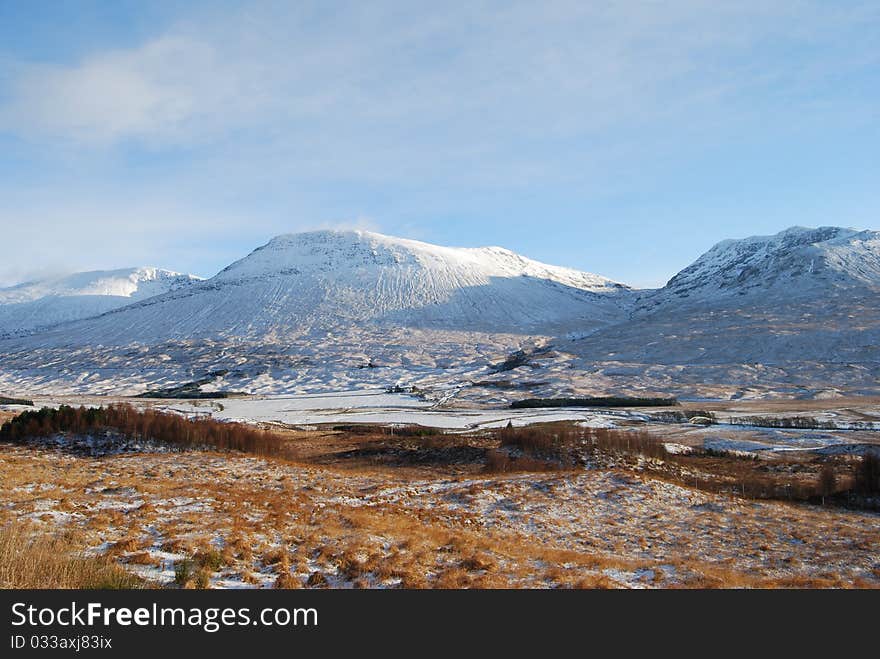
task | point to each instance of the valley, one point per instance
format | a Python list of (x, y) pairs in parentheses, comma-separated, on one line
[(363, 497), (347, 409)]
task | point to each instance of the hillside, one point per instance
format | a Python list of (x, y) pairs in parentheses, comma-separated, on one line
[(797, 312), (791, 315), (311, 283), (798, 263), (42, 303)]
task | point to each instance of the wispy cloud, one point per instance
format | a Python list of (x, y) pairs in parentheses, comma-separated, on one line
[(284, 116), (482, 72), (161, 90)]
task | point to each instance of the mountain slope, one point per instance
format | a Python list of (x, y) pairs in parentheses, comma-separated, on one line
[(39, 304), (796, 263), (311, 283), (801, 295), (796, 314)]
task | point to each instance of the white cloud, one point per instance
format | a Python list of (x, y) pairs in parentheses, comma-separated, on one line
[(478, 74), (158, 89), (224, 130)]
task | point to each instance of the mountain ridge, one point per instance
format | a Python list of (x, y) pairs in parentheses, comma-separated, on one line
[(797, 259), (791, 313), (43, 303), (299, 282)]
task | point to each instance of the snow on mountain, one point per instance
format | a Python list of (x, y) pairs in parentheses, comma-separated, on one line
[(322, 310), (797, 261), (318, 281), (46, 302), (795, 314), (347, 254), (802, 306)]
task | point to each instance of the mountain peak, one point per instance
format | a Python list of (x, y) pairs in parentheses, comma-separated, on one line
[(792, 237), (308, 284), (327, 236), (346, 255), (135, 283), (52, 300), (795, 261)]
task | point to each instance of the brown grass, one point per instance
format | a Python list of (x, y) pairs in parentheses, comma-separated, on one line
[(291, 521), (43, 562)]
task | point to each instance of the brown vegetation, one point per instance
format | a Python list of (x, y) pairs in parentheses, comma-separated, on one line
[(555, 446), (537, 448), (148, 425), (35, 560), (595, 511)]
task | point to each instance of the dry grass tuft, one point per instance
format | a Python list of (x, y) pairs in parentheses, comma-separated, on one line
[(43, 562), (286, 581), (127, 545)]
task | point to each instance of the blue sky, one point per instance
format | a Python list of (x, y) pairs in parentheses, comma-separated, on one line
[(618, 138)]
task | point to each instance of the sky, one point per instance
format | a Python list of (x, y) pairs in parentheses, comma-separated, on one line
[(622, 138)]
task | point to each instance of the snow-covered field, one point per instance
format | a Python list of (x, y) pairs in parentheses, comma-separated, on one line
[(254, 522), (857, 420), (340, 517), (379, 407)]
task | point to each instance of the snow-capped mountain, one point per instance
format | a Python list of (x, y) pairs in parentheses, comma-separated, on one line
[(46, 302), (322, 277), (326, 280), (797, 262), (805, 300), (795, 314)]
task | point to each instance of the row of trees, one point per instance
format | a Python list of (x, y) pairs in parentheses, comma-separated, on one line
[(147, 425), (798, 423), (598, 401), (551, 441), (557, 446)]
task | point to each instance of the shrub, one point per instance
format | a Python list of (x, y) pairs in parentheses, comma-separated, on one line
[(5, 400), (797, 422), (203, 579), (868, 474), (827, 481), (499, 461), (611, 441), (286, 581), (211, 559), (183, 571)]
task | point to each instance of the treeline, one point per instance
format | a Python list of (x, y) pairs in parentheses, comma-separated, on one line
[(684, 416), (168, 429), (790, 422), (549, 447), (408, 430), (598, 401), (187, 394), (798, 422), (867, 479), (4, 400), (555, 446)]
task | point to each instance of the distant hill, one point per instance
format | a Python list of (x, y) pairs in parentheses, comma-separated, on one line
[(46, 302), (794, 314)]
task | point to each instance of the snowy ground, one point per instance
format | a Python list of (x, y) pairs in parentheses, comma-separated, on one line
[(256, 522), (462, 366), (364, 523), (378, 407)]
